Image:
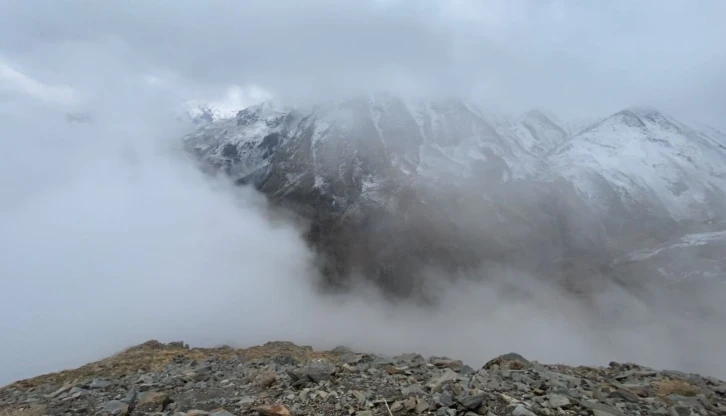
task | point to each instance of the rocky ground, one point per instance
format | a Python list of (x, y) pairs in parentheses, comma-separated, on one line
[(280, 378)]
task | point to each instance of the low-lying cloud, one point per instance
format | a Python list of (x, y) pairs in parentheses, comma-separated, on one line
[(112, 236)]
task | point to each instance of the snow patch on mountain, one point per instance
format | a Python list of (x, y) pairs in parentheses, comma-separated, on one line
[(637, 161), (202, 112), (649, 160), (235, 99), (538, 133), (434, 140), (689, 240)]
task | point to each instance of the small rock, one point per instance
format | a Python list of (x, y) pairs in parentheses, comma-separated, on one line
[(472, 401), (266, 379), (455, 365), (409, 404), (512, 361), (220, 412), (99, 384), (600, 409), (392, 370), (380, 361), (131, 396), (520, 410), (626, 395), (273, 410), (411, 359), (421, 406), (359, 396), (446, 399), (60, 391), (557, 400), (316, 372), (245, 400), (413, 390), (447, 376), (115, 408), (152, 401)]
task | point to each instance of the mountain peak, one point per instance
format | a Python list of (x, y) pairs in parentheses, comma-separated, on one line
[(647, 114), (265, 108), (539, 116), (644, 110), (201, 112), (535, 113)]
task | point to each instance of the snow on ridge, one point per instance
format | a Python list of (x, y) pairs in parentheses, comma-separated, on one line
[(644, 156), (538, 133), (197, 109), (689, 240), (646, 153)]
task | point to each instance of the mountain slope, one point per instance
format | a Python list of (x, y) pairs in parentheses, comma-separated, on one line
[(539, 132), (639, 160), (393, 187), (389, 185), (437, 140), (202, 113)]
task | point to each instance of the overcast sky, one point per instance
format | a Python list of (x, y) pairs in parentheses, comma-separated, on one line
[(575, 58)]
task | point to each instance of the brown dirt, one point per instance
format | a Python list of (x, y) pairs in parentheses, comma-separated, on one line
[(679, 387)]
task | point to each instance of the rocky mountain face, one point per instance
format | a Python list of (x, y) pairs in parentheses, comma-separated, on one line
[(393, 188), (282, 379)]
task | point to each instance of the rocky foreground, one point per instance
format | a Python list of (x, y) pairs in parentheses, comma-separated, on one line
[(280, 378)]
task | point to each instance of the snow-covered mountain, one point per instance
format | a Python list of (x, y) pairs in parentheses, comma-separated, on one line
[(202, 113), (539, 133), (458, 186), (640, 160), (382, 136)]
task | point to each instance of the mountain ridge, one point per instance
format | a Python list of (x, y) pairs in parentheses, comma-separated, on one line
[(465, 187)]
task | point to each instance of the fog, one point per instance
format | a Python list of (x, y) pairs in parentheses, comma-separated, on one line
[(110, 235), (563, 55)]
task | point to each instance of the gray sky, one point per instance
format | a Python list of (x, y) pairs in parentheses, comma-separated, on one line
[(575, 58)]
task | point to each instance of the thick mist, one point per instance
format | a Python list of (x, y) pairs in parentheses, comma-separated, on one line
[(111, 235)]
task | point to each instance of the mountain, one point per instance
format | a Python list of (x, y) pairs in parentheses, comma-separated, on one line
[(201, 113), (437, 140), (389, 185), (539, 132), (641, 163), (393, 187), (690, 259)]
